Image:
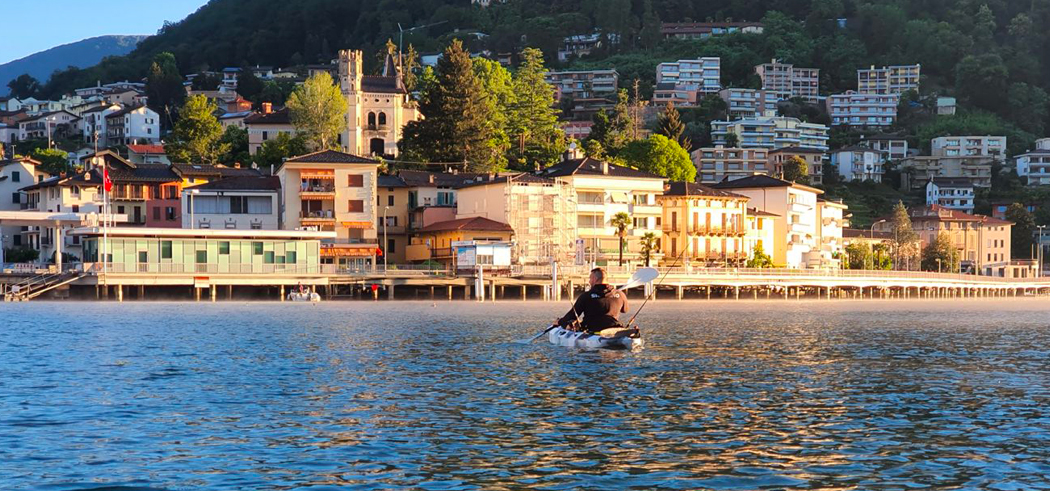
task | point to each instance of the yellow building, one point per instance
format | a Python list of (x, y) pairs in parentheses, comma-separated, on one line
[(759, 232), (435, 241), (982, 242), (392, 217), (703, 225)]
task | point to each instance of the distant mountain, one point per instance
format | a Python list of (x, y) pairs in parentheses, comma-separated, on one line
[(80, 54)]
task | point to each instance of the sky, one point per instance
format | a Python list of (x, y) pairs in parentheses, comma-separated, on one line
[(43, 24)]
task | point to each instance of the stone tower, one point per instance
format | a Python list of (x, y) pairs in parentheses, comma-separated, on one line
[(350, 73)]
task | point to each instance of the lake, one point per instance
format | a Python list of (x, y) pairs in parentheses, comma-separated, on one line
[(815, 394)]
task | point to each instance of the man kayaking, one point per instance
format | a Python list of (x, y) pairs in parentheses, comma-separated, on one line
[(598, 309)]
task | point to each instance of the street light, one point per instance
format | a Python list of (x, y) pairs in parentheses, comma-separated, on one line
[(871, 236), (386, 250), (192, 193)]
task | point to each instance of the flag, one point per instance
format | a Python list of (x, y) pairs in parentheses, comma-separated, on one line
[(106, 183)]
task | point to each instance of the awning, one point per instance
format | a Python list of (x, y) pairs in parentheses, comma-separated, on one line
[(348, 250), (358, 225), (618, 197)]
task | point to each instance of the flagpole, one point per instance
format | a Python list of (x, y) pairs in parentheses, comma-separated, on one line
[(105, 214)]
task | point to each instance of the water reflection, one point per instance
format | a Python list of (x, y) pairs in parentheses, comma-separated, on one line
[(753, 395)]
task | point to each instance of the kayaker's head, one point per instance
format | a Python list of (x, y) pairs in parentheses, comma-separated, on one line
[(597, 277)]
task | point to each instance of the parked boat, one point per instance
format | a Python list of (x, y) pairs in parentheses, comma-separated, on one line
[(304, 297)]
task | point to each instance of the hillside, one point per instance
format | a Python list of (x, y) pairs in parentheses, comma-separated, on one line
[(81, 54)]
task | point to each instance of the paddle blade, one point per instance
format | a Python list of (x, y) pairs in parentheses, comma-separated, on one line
[(530, 340), (641, 277)]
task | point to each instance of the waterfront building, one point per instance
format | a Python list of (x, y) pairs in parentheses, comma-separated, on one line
[(93, 124), (1035, 164), (983, 242), (686, 82), (916, 171), (705, 225), (714, 164), (760, 232), (138, 188), (540, 210), (15, 175), (993, 147), (858, 109), (602, 191), (235, 119), (814, 161), (858, 163), (232, 203), (77, 194), (893, 148), (772, 133), (267, 125), (832, 220), (790, 81), (893, 79), (797, 239), (437, 241), (749, 103), (704, 30), (133, 124), (378, 106), (954, 193), (392, 212), (334, 192), (866, 237)]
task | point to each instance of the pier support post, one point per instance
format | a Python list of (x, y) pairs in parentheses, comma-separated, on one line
[(449, 293), (678, 291), (524, 290), (142, 292), (736, 292), (492, 291), (786, 291), (431, 292), (120, 293), (755, 291), (390, 292), (214, 290), (798, 293), (708, 288), (229, 292), (466, 292), (281, 293)]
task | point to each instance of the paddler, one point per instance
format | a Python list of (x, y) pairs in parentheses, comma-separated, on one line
[(598, 309)]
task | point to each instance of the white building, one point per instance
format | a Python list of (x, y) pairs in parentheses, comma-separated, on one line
[(946, 106), (55, 123), (15, 175), (693, 78), (832, 219), (93, 123), (863, 110), (580, 45), (790, 81), (242, 203), (715, 164), (969, 146), (80, 193), (894, 79), (749, 103), (135, 124), (1035, 165), (950, 192), (771, 133), (893, 148), (858, 163)]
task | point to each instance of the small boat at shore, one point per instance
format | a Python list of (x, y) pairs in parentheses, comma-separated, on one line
[(587, 341), (304, 297)]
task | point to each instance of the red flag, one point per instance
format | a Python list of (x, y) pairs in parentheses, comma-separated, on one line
[(379, 252), (105, 178)]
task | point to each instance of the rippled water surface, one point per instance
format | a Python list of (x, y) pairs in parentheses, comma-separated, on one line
[(726, 395)]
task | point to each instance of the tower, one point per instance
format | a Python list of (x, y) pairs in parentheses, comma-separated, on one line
[(350, 73)]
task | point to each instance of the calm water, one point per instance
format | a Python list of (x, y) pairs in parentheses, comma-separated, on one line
[(748, 395)]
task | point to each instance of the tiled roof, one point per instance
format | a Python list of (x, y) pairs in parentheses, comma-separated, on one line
[(796, 150), (151, 149), (952, 182), (940, 213), (760, 213), (206, 170), (151, 173), (418, 178), (521, 178), (83, 179), (331, 157), (854, 148), (96, 109), (852, 233), (755, 181), (124, 111), (697, 189), (380, 84), (473, 224), (280, 116), (593, 167), (385, 181), (243, 183)]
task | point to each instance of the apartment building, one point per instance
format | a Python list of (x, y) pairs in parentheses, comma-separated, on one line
[(772, 133), (333, 191), (1035, 165), (703, 225), (955, 193), (53, 124), (15, 175), (132, 124), (715, 164), (704, 30), (93, 124), (862, 110), (858, 163), (749, 103), (392, 214), (832, 220), (582, 45), (916, 171), (686, 82), (893, 79), (233, 203), (790, 81), (969, 146), (584, 84), (814, 159), (79, 193), (893, 148), (602, 191), (267, 125), (983, 242)]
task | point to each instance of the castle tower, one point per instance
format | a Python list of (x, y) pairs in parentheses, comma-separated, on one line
[(350, 73)]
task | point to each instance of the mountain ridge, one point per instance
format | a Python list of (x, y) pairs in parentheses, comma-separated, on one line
[(81, 54)]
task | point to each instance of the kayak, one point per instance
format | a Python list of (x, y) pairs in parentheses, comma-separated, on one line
[(304, 297), (586, 341)]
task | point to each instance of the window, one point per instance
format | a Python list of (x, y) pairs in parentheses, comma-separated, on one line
[(382, 119), (290, 257), (257, 248), (16, 176), (169, 213), (165, 249), (266, 135), (355, 206), (371, 119), (391, 246), (390, 200), (120, 210), (355, 180), (16, 198), (156, 213), (76, 208), (268, 257), (202, 257), (224, 248)]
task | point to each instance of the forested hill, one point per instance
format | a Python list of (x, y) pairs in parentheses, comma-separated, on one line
[(83, 54), (991, 54)]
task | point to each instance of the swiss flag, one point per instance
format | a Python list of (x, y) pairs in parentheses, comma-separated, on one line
[(105, 178), (379, 252)]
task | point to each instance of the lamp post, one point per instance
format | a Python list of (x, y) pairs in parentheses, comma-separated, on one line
[(1039, 262), (386, 250), (938, 265), (871, 235), (192, 193)]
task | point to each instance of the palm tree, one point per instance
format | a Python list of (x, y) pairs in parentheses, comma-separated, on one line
[(648, 246), (621, 221)]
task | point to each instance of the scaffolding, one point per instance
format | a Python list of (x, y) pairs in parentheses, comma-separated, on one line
[(542, 213)]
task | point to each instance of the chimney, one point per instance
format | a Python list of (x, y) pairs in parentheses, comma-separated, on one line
[(236, 165), (267, 108), (605, 167)]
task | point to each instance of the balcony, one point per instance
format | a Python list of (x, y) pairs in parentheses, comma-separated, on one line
[(325, 191), (393, 229), (314, 217)]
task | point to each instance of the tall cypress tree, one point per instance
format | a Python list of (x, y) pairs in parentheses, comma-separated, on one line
[(670, 125)]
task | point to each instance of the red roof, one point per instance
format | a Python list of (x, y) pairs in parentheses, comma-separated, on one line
[(142, 149)]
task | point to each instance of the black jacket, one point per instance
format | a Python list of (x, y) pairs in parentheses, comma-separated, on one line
[(599, 308)]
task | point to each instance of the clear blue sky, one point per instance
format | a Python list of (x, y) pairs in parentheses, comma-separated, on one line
[(36, 25)]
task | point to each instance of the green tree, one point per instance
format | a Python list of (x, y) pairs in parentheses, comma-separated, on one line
[(273, 93), (858, 256), (498, 84), (759, 258), (661, 156), (613, 129), (318, 111), (732, 141), (283, 146), (940, 255), (1022, 232), (52, 160), (796, 170), (981, 80), (594, 150), (670, 125), (248, 85), (21, 255), (236, 139), (905, 240), (206, 81), (621, 222), (455, 127), (650, 32), (1027, 107), (24, 87), (197, 136), (533, 121), (648, 246), (164, 89), (409, 65)]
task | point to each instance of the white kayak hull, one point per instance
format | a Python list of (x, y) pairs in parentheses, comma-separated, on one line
[(304, 297), (585, 341)]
